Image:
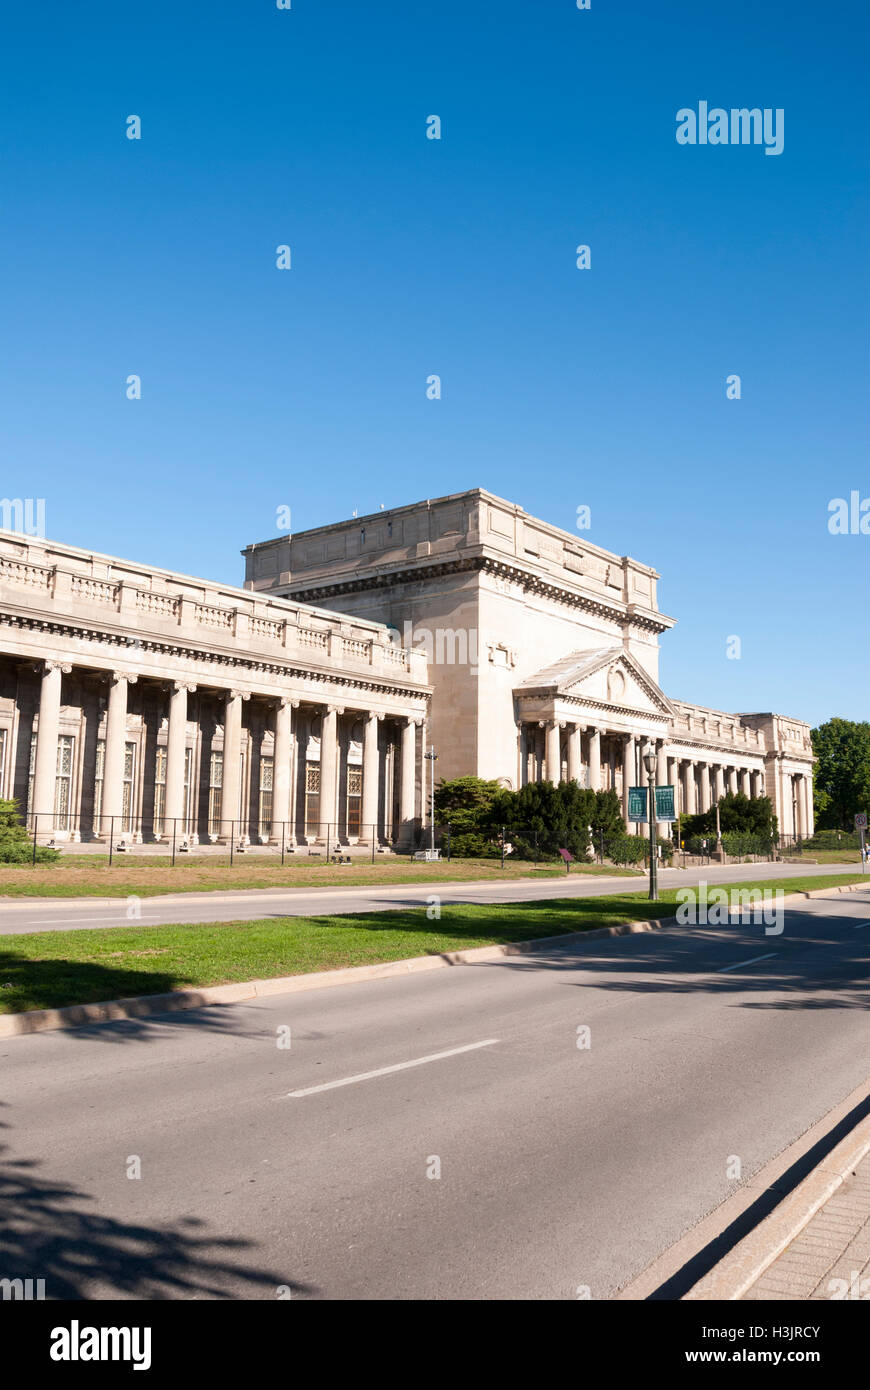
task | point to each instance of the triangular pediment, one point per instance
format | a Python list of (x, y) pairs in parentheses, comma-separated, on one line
[(608, 676)]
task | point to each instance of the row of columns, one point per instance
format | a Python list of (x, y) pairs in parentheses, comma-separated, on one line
[(698, 782), (48, 729)]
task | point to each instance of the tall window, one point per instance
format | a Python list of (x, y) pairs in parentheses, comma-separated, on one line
[(159, 790), (161, 825), (127, 804), (354, 799), (63, 783), (129, 783), (99, 773), (215, 787), (31, 769), (312, 798), (188, 786), (265, 817)]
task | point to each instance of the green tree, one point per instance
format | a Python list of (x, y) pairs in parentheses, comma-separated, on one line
[(15, 843), (842, 773), (467, 803), (738, 813)]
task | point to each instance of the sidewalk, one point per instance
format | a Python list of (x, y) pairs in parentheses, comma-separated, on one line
[(816, 1243), (834, 1245)]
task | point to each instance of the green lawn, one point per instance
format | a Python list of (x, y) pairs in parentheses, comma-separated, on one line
[(87, 876), (49, 969)]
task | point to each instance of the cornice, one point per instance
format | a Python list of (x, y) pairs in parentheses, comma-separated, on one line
[(128, 644), (585, 702), (531, 583)]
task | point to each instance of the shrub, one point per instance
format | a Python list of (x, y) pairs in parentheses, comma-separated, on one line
[(15, 844)]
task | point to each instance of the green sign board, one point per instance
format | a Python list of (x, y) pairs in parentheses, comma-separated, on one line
[(665, 804), (637, 803)]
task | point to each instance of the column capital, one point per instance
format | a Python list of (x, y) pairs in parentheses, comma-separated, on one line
[(333, 709), (414, 719), (114, 677), (232, 694), (175, 687), (47, 666)]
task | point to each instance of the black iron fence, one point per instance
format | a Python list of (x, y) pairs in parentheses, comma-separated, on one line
[(156, 839), (52, 834)]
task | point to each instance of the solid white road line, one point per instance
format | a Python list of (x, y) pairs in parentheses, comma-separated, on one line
[(741, 963), (398, 1066)]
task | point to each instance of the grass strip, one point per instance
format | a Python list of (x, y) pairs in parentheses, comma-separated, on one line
[(43, 970)]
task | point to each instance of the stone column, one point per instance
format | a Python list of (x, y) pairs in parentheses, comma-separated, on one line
[(746, 782), (691, 789), (575, 757), (627, 779), (281, 771), (554, 751), (718, 783), (45, 765), (231, 778), (371, 777), (732, 779), (175, 746), (328, 770), (674, 781), (809, 816), (113, 757), (408, 783), (522, 755), (662, 827), (705, 787), (758, 784), (594, 758)]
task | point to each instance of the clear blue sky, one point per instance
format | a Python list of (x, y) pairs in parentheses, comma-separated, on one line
[(306, 388)]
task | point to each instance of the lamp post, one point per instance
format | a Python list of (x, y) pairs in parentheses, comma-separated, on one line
[(431, 758), (650, 764)]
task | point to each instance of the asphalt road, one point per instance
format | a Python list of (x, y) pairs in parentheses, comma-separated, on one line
[(268, 1170), (69, 914)]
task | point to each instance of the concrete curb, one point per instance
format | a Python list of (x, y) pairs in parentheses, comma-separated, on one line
[(743, 1266), (83, 1015)]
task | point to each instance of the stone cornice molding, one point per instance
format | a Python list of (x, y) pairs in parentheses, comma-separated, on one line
[(618, 611), (289, 673), (587, 703)]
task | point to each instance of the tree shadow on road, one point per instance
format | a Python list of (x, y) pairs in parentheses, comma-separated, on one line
[(809, 971), (55, 1232)]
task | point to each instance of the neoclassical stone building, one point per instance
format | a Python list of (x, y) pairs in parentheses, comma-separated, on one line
[(145, 704), (148, 705), (543, 652)]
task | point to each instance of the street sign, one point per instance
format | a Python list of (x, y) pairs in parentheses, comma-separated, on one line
[(861, 820), (665, 804), (637, 803)]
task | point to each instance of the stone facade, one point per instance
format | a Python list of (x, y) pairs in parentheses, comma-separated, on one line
[(144, 704), (149, 705), (543, 652)]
